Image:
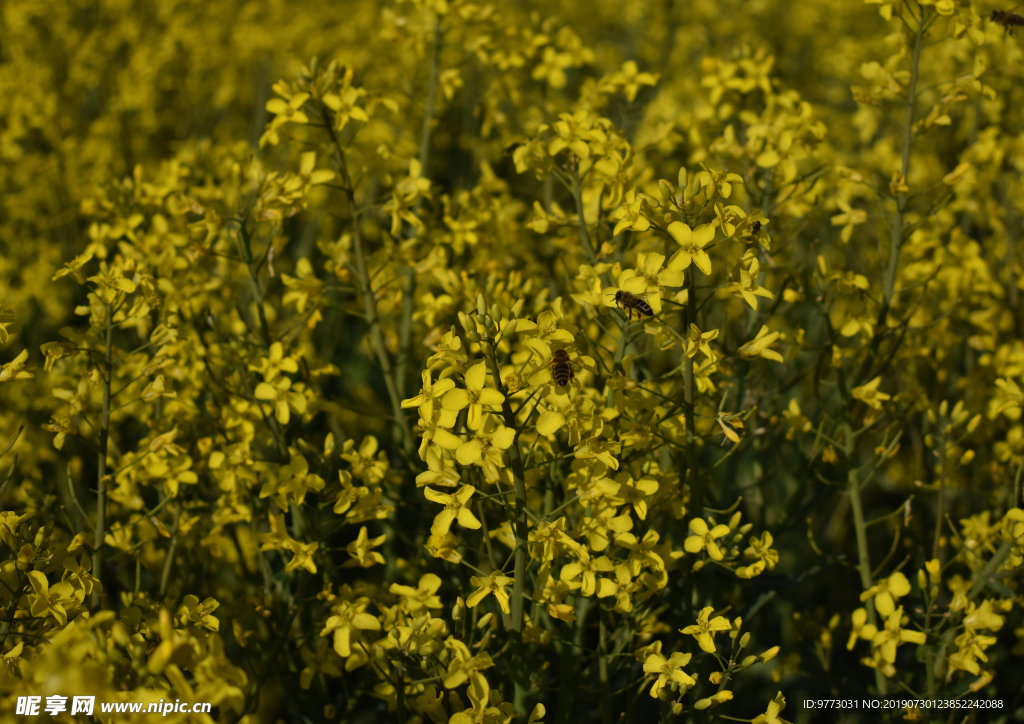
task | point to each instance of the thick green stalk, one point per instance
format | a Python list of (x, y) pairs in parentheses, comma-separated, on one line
[(101, 472)]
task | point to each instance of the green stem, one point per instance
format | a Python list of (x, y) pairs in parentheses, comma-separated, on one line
[(252, 697), (165, 575), (74, 496), (400, 692), (519, 489), (570, 656), (588, 247), (693, 478), (520, 552), (369, 302), (993, 563), (428, 114), (254, 283), (863, 555), (505, 617), (941, 515), (12, 610), (929, 654), (101, 472), (405, 332), (408, 291), (1016, 484), (581, 224), (908, 137), (602, 665)]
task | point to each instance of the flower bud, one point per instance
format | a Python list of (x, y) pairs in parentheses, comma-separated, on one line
[(481, 305), (716, 677), (943, 408), (768, 655), (702, 704), (973, 424), (681, 178), (967, 457), (459, 610), (677, 708), (517, 308), (485, 621), (744, 640), (24, 558), (748, 660)]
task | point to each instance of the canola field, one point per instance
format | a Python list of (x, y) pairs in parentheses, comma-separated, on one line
[(468, 362)]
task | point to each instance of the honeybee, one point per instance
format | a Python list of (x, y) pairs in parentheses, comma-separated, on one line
[(561, 368), (630, 303), (1006, 20)]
